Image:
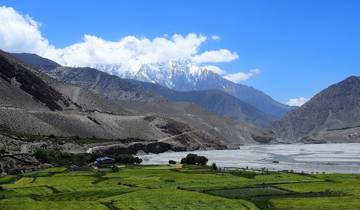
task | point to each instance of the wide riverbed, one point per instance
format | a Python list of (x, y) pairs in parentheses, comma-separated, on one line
[(330, 158)]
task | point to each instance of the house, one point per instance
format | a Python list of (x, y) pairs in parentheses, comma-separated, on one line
[(104, 162)]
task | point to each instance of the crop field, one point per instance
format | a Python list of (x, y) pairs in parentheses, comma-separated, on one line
[(177, 187)]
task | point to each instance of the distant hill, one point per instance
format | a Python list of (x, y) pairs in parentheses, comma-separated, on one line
[(333, 115), (216, 101)]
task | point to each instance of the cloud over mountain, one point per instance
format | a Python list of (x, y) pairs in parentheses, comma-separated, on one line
[(297, 101), (241, 76), (21, 33)]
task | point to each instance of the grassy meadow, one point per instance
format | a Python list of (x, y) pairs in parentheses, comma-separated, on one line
[(177, 187)]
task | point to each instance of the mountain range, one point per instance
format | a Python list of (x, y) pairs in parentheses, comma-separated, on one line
[(116, 88), (330, 116), (37, 109), (184, 75)]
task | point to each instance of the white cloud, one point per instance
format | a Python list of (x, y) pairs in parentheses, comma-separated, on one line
[(297, 101), (242, 76), (215, 56), (130, 52), (215, 37), (21, 33)]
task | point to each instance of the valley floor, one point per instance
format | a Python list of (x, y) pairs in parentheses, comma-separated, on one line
[(177, 187)]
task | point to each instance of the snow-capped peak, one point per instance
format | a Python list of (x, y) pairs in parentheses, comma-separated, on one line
[(175, 74)]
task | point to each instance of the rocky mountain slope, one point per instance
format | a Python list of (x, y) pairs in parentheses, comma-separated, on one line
[(21, 88), (115, 88), (333, 115)]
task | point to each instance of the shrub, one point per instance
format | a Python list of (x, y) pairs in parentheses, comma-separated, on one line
[(172, 162), (244, 173), (189, 159), (193, 159), (99, 174), (114, 169), (127, 159), (213, 167), (201, 160)]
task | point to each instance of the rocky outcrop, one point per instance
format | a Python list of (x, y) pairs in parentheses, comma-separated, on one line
[(133, 148), (17, 163)]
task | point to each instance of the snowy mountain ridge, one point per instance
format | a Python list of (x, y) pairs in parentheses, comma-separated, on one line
[(185, 75), (164, 73)]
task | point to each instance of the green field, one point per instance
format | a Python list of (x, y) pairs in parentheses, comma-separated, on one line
[(177, 187)]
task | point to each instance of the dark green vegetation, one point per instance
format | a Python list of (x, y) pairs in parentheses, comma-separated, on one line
[(193, 159), (58, 158), (127, 159), (177, 187)]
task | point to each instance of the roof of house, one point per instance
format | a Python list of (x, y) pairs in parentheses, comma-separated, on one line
[(104, 158)]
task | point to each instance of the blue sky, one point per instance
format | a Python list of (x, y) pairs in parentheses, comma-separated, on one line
[(299, 46)]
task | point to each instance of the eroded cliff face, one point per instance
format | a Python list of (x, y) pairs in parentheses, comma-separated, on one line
[(20, 86)]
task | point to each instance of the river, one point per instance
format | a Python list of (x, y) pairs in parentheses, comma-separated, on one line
[(329, 158)]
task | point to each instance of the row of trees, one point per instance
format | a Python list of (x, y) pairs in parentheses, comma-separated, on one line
[(58, 158)]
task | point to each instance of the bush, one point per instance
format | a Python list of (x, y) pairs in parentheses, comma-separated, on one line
[(127, 159), (244, 173), (201, 160), (193, 159), (172, 162), (189, 159), (213, 167), (99, 174), (114, 169)]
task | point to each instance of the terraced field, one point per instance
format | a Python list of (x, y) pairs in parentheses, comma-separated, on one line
[(176, 187)]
